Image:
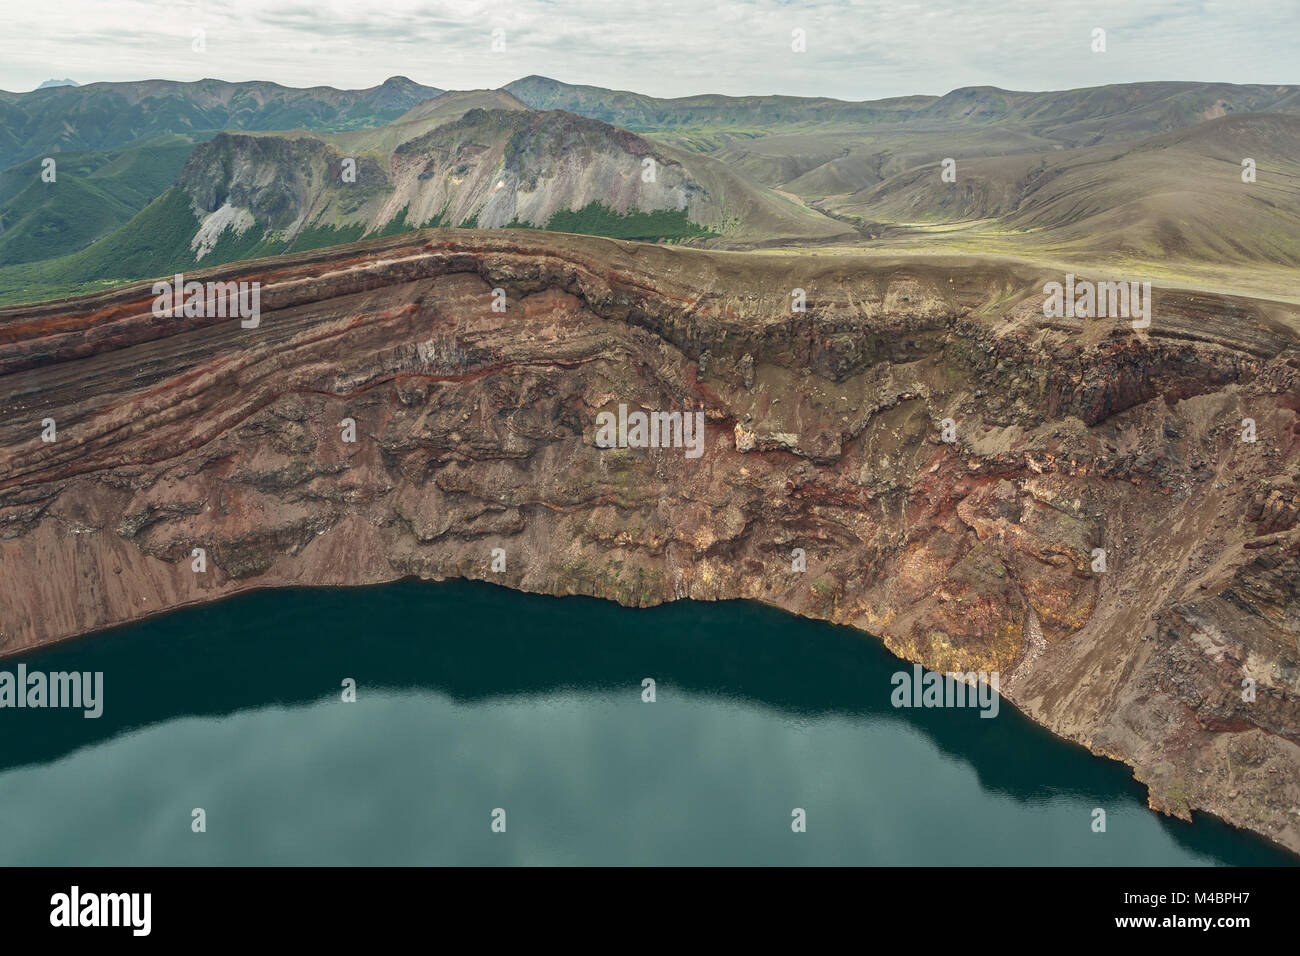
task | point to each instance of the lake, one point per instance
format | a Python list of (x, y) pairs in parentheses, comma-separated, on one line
[(472, 699)]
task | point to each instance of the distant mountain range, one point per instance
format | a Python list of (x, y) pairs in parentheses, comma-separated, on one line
[(62, 118), (1073, 118), (160, 175)]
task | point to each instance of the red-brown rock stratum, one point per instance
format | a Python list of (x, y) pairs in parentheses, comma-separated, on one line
[(475, 430)]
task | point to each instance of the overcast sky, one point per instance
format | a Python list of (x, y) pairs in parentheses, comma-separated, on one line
[(856, 49)]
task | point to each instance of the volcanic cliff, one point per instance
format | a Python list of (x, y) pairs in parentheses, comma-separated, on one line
[(1071, 503)]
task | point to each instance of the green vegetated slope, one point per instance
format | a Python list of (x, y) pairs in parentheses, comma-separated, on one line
[(157, 243), (596, 219), (98, 189), (108, 115), (92, 194), (154, 242)]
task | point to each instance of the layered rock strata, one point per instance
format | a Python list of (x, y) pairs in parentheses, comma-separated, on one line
[(1072, 442)]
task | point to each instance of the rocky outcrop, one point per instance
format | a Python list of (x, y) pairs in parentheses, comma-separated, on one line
[(918, 454), (454, 163)]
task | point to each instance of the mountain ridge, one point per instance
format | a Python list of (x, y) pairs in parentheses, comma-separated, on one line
[(108, 115)]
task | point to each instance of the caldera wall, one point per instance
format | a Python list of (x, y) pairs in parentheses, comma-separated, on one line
[(919, 454)]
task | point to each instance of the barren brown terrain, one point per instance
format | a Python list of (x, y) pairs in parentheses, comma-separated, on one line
[(475, 431)]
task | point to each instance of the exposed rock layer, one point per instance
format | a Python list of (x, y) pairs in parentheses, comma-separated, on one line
[(825, 433)]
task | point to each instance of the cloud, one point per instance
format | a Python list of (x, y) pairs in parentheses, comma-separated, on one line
[(856, 49)]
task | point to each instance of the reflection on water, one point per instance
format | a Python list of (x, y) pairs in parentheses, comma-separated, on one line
[(473, 698)]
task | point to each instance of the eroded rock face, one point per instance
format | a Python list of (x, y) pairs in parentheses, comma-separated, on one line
[(825, 431)]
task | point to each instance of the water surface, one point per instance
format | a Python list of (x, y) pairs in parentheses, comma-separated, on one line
[(472, 698)]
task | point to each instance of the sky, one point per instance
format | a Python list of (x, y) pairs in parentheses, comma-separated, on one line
[(854, 49)]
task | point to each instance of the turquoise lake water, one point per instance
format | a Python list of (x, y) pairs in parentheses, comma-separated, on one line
[(473, 698)]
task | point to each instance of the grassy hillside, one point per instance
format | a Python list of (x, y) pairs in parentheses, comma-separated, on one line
[(817, 147), (596, 219), (1177, 197), (108, 115), (93, 193), (157, 243)]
